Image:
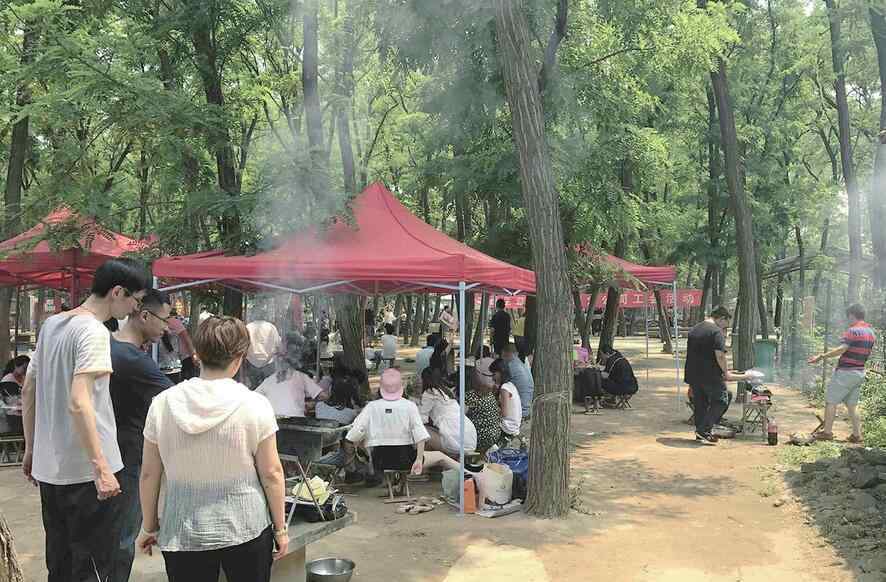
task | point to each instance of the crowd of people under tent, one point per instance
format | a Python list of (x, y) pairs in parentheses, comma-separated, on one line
[(118, 396)]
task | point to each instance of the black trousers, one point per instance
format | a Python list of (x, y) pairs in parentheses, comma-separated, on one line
[(248, 562), (709, 403), (82, 533)]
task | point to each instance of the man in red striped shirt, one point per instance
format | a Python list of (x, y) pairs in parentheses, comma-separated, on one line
[(845, 386)]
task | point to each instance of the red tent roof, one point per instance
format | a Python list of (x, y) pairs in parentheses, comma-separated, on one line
[(648, 275), (387, 249), (30, 258)]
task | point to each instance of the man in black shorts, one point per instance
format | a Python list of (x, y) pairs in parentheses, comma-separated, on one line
[(706, 372)]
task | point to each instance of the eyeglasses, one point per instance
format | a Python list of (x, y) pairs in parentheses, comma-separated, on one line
[(130, 295), (163, 319)]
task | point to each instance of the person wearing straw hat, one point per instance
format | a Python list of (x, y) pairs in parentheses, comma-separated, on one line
[(391, 427)]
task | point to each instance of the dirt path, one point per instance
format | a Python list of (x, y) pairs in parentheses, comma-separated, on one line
[(655, 507)]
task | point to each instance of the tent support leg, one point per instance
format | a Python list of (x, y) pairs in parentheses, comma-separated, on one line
[(646, 323), (155, 347), (461, 397), (676, 345)]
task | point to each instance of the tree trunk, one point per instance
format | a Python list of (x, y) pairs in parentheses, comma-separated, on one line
[(578, 311), (531, 323), (203, 37), (610, 317), (478, 336), (761, 300), (351, 326), (664, 325), (18, 150), (345, 91), (589, 317), (398, 308), (706, 291), (822, 250), (410, 317), (714, 171), (838, 57), (878, 181), (10, 569), (417, 320), (313, 110), (744, 226), (548, 488)]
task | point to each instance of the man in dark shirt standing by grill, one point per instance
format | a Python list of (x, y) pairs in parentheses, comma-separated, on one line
[(854, 350), (136, 380), (501, 327), (706, 372)]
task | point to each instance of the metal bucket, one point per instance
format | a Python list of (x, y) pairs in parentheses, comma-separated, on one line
[(330, 570)]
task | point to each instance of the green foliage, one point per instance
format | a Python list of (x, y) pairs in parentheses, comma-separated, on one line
[(120, 127), (796, 456), (874, 409)]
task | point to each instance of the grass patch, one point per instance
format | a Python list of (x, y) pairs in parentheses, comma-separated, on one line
[(767, 488), (796, 456)]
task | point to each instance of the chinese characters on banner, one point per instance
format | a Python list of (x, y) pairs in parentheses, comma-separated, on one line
[(629, 299)]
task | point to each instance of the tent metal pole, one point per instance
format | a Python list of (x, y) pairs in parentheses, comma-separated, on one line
[(461, 398), (155, 347), (646, 323), (676, 345), (18, 315)]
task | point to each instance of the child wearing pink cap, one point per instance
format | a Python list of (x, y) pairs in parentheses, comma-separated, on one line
[(392, 429)]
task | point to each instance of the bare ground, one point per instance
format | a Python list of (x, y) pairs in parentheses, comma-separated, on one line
[(652, 506)]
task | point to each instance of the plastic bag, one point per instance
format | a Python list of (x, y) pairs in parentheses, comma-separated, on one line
[(518, 462)]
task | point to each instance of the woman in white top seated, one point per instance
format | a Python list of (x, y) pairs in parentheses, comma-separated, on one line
[(440, 410), (287, 389), (392, 429), (215, 441)]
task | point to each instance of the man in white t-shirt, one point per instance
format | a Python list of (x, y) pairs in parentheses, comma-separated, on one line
[(71, 448), (388, 344), (264, 344)]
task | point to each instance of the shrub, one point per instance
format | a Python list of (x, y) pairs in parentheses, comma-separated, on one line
[(874, 412)]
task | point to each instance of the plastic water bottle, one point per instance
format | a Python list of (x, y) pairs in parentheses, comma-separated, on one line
[(773, 433)]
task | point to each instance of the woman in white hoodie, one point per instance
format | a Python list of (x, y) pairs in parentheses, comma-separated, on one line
[(216, 443)]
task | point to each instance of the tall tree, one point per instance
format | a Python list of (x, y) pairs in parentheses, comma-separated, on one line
[(549, 465), (877, 11), (15, 173), (203, 22), (744, 226), (838, 61)]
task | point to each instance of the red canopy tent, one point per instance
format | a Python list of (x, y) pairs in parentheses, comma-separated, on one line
[(30, 259), (384, 249), (640, 277), (663, 275)]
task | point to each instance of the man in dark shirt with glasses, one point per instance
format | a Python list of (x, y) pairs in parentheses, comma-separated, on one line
[(136, 380)]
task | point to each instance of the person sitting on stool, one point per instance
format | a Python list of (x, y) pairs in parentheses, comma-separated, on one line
[(392, 429), (618, 375)]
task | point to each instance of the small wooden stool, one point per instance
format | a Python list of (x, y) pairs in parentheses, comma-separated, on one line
[(402, 480), (623, 401)]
